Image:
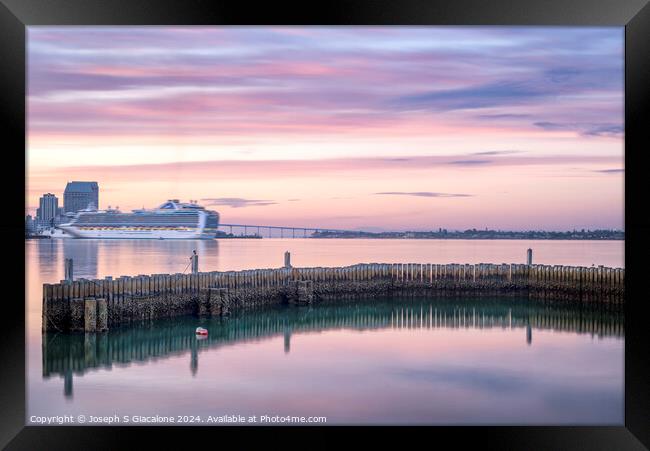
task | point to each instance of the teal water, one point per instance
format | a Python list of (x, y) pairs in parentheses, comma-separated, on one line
[(379, 361)]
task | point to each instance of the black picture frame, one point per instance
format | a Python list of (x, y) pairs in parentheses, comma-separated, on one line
[(16, 15)]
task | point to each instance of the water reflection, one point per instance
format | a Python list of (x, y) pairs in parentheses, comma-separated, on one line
[(287, 340), (98, 258), (379, 362), (87, 253), (68, 354)]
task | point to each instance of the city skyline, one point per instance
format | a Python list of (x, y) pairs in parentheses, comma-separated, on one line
[(394, 128)]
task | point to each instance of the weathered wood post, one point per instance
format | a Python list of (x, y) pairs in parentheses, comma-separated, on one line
[(287, 259), (195, 263), (90, 314), (68, 269), (529, 257), (101, 323)]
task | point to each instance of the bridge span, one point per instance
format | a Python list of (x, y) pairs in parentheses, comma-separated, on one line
[(271, 231)]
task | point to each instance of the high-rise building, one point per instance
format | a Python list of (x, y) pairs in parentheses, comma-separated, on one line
[(48, 208), (79, 195), (29, 224)]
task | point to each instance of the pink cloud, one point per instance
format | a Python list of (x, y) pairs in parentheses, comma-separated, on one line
[(244, 169)]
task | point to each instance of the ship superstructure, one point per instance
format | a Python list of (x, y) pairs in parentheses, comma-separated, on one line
[(171, 220)]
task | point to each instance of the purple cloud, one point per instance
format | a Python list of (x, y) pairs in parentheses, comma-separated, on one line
[(497, 152), (470, 162), (611, 171), (503, 116), (238, 202), (481, 96), (422, 194), (605, 130), (586, 129), (109, 80)]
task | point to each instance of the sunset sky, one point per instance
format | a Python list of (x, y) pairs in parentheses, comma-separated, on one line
[(379, 128)]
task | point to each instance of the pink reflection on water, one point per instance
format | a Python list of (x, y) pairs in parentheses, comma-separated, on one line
[(391, 375), (428, 376)]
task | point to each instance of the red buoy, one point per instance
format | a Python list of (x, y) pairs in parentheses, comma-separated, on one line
[(201, 331)]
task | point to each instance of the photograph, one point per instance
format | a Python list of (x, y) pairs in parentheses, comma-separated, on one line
[(308, 225)]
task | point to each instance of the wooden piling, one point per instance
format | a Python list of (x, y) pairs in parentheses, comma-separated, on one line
[(101, 324), (68, 269), (195, 263)]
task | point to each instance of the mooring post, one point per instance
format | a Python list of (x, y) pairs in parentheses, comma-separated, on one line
[(529, 259), (195, 262), (68, 269), (287, 259)]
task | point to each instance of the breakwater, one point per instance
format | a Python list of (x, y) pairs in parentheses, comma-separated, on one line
[(97, 305)]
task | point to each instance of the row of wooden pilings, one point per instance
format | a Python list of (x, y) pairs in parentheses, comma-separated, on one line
[(96, 305)]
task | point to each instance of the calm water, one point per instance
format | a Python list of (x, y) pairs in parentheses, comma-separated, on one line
[(382, 361)]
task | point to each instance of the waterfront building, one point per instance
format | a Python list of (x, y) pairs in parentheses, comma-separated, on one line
[(48, 209), (30, 226), (79, 195)]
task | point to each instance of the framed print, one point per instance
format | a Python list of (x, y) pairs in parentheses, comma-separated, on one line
[(350, 215)]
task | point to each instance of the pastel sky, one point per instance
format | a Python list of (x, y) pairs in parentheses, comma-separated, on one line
[(393, 128)]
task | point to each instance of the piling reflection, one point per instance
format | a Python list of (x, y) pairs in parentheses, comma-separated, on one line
[(68, 354), (97, 258), (86, 255)]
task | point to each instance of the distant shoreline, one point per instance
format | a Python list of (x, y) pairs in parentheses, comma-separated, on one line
[(367, 238), (468, 239), (473, 234)]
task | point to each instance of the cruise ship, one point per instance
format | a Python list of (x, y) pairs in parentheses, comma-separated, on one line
[(171, 220), (54, 232)]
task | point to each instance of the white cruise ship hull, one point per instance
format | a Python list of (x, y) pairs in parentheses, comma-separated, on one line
[(170, 221), (56, 233), (137, 234)]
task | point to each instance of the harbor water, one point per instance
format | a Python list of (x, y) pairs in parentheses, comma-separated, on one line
[(374, 361)]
